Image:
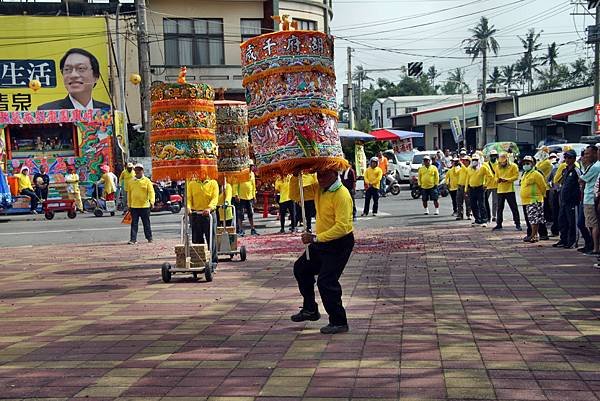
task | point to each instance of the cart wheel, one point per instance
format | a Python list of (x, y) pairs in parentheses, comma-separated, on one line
[(166, 272), (395, 190), (242, 253), (208, 272), (98, 212), (71, 214), (49, 215), (112, 213)]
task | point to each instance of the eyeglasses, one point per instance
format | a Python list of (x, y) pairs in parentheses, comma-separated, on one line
[(81, 69)]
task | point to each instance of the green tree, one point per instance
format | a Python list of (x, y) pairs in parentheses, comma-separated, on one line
[(529, 61), (495, 78), (509, 75), (550, 58), (558, 78), (478, 45), (580, 73), (432, 75)]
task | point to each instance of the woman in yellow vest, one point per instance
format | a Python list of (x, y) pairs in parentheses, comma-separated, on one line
[(533, 190)]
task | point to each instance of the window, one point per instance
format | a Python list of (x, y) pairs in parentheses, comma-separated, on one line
[(193, 41), (306, 25), (377, 118), (250, 28), (388, 112), (410, 110), (47, 140)]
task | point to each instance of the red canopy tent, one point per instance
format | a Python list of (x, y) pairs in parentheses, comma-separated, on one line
[(384, 135)]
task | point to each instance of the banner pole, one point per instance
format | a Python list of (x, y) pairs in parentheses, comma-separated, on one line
[(303, 211)]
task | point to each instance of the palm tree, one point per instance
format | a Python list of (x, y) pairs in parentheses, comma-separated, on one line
[(550, 58), (478, 45), (495, 78), (432, 75), (579, 73), (509, 75), (452, 85), (529, 60)]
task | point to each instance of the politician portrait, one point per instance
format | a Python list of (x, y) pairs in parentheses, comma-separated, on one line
[(80, 70)]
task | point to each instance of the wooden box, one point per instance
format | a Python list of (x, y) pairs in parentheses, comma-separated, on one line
[(198, 252)]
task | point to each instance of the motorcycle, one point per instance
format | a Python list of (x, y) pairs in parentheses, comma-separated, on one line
[(167, 199), (392, 185)]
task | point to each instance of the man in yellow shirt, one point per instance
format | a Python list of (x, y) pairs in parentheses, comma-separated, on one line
[(329, 250), (244, 193), (491, 186), (507, 173), (452, 182), (462, 196), (140, 198), (124, 179), (383, 165), (372, 176), (286, 204), (429, 179), (25, 188), (476, 176), (202, 201)]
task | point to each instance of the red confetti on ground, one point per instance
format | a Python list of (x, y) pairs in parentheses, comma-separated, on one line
[(279, 244)]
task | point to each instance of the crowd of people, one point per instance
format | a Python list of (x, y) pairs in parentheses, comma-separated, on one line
[(559, 193)]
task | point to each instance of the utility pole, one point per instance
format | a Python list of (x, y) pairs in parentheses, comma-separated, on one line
[(121, 75), (596, 71), (144, 63), (350, 92)]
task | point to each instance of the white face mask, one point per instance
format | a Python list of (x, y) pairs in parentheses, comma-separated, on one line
[(475, 163)]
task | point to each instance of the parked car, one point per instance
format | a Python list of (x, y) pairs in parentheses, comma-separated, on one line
[(399, 164), (577, 147)]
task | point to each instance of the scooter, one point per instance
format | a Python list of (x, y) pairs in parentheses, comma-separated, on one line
[(415, 189), (166, 200), (392, 185)]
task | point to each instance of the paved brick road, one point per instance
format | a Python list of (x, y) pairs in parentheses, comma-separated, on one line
[(441, 313)]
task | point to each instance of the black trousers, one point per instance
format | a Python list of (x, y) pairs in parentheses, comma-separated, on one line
[(453, 197), (477, 198), (42, 193), (136, 215), (567, 224), (311, 213), (511, 198), (34, 198), (371, 193), (202, 231), (542, 228), (284, 209), (327, 262)]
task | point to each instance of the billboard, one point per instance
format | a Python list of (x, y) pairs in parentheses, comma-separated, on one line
[(32, 49)]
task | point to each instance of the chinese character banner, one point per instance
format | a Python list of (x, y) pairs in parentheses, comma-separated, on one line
[(33, 49)]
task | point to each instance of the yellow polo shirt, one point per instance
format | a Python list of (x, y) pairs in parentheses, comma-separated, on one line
[(23, 181), (246, 190), (510, 173), (225, 199), (373, 177), (452, 178), (126, 177), (429, 177), (334, 211), (140, 193), (282, 185), (202, 195), (533, 187)]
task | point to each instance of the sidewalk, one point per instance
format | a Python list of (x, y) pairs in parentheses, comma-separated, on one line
[(435, 314)]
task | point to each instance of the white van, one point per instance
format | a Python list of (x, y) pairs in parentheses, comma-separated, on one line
[(399, 164)]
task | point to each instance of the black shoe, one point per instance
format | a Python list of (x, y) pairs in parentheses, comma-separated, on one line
[(497, 228), (518, 228), (459, 218), (570, 246), (331, 329), (306, 315), (558, 245), (253, 232), (544, 238), (526, 238), (282, 231), (584, 249), (591, 253)]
